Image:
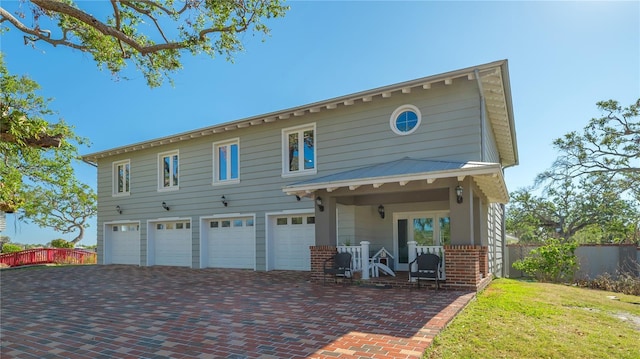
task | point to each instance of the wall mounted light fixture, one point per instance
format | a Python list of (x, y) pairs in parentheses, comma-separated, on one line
[(459, 194), (118, 209), (319, 204), (224, 200), (381, 211), (165, 206)]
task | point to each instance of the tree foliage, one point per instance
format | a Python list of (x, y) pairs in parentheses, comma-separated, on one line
[(568, 208), (61, 243), (66, 209), (38, 178), (24, 160), (592, 189), (11, 248), (608, 145), (149, 34)]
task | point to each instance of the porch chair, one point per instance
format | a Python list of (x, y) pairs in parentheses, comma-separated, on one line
[(428, 268), (337, 266)]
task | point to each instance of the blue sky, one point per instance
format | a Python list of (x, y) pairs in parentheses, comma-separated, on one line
[(563, 58)]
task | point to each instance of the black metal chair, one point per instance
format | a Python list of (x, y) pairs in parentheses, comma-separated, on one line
[(428, 268), (338, 266)]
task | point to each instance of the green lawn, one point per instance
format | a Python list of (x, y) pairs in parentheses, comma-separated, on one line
[(517, 319)]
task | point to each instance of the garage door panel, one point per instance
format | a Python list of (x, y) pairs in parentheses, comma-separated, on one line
[(172, 243), (231, 243), (293, 235), (124, 243)]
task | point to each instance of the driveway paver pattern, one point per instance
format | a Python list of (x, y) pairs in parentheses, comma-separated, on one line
[(168, 312)]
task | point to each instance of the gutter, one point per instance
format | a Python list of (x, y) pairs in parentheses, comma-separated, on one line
[(90, 163), (483, 115)]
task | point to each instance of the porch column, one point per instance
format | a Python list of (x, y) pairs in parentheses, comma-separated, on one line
[(411, 245), (364, 246), (462, 223), (466, 267), (326, 221), (319, 254)]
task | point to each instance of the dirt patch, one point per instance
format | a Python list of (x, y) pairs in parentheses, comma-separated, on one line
[(631, 318)]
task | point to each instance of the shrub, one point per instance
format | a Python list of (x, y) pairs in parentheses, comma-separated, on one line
[(11, 248), (61, 243), (553, 262), (627, 283)]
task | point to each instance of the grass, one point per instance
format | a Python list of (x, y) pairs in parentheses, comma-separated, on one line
[(517, 319)]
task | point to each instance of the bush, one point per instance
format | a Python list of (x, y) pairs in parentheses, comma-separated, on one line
[(11, 248), (61, 243), (554, 262), (626, 283)]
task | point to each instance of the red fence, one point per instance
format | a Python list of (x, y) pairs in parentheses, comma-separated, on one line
[(48, 255)]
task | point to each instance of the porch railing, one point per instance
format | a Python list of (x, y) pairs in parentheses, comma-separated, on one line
[(361, 260)]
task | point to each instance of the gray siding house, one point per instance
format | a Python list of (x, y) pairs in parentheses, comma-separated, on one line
[(411, 167)]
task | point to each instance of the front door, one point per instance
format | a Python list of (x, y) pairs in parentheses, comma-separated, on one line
[(426, 228)]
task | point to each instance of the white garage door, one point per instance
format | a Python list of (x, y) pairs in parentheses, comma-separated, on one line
[(123, 244), (292, 237), (172, 243), (232, 243)]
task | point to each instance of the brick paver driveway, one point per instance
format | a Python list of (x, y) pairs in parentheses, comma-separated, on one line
[(168, 312)]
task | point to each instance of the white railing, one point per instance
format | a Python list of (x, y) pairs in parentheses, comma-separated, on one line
[(415, 249), (359, 257), (360, 261)]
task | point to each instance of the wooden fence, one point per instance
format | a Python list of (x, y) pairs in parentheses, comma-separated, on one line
[(47, 256)]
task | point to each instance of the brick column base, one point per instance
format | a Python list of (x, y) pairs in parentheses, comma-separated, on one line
[(466, 267), (318, 255)]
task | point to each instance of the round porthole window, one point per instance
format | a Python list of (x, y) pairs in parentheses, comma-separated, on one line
[(405, 119)]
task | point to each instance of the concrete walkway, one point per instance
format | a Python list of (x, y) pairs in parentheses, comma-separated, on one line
[(168, 312)]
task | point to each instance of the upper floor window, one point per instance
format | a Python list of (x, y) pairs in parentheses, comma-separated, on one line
[(226, 162), (168, 170), (121, 177), (405, 119), (299, 150)]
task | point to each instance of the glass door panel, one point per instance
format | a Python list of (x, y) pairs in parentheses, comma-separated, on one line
[(423, 231), (403, 238), (445, 231), (427, 229)]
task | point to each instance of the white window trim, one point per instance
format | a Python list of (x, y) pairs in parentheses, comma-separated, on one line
[(398, 111), (216, 181), (285, 151), (114, 178), (160, 173)]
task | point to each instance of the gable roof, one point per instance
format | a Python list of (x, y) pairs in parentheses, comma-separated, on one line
[(487, 176), (493, 80)]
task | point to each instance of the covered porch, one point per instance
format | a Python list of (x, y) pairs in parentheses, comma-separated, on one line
[(410, 206)]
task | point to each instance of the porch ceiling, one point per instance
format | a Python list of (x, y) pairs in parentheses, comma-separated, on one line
[(487, 176)]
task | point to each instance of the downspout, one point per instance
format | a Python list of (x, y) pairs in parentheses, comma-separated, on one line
[(483, 115)]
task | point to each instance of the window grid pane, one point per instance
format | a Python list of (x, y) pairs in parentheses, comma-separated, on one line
[(234, 159), (309, 158), (293, 152), (222, 163), (126, 177), (166, 171), (175, 170)]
